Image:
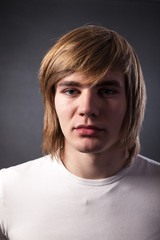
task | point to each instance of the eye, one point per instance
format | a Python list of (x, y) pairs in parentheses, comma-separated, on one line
[(107, 91), (71, 91)]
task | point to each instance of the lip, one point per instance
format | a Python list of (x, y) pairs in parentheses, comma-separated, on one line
[(88, 130), (89, 127)]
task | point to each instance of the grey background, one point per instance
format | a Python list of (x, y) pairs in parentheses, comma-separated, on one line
[(30, 28)]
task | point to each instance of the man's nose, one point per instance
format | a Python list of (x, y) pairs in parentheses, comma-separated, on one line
[(88, 104)]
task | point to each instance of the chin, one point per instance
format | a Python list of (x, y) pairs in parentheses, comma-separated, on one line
[(90, 149), (95, 146)]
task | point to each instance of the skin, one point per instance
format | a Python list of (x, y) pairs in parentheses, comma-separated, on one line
[(90, 119)]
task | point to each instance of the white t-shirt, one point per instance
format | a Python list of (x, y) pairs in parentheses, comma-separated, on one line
[(42, 200)]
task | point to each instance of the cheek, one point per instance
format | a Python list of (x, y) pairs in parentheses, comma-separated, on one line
[(121, 112), (61, 115), (63, 111), (118, 110), (59, 106), (58, 109)]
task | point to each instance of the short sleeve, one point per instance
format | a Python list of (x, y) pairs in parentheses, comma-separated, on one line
[(2, 209)]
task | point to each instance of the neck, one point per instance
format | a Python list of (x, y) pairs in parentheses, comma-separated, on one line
[(94, 165)]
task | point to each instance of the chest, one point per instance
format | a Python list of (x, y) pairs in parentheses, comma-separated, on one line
[(67, 212)]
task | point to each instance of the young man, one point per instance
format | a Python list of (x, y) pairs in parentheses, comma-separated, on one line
[(92, 184)]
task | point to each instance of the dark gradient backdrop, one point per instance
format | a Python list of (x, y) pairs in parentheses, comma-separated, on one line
[(29, 28)]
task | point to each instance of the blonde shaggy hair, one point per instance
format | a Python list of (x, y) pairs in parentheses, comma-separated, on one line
[(93, 50)]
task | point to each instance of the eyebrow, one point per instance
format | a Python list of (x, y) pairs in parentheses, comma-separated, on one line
[(69, 84), (110, 83)]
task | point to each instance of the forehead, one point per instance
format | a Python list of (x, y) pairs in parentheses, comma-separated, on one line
[(84, 79)]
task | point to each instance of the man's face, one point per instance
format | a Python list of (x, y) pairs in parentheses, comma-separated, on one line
[(91, 117)]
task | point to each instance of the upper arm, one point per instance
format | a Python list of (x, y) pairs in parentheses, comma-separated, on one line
[(2, 209)]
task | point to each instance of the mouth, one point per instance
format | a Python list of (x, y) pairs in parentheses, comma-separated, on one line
[(88, 130)]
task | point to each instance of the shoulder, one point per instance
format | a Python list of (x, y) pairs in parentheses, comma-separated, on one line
[(145, 171), (143, 180), (29, 164), (25, 178), (147, 165), (148, 160), (32, 167)]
